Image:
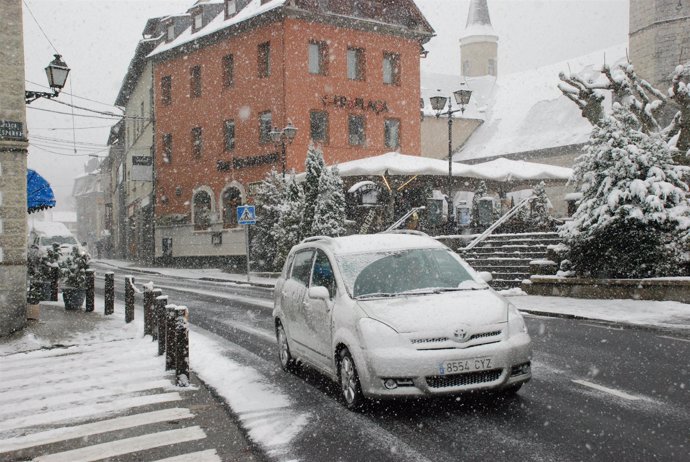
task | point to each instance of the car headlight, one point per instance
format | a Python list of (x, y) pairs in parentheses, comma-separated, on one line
[(516, 323), (376, 334)]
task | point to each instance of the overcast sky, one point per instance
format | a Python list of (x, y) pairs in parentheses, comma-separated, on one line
[(97, 39)]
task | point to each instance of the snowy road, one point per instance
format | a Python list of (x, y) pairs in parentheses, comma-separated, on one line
[(598, 393)]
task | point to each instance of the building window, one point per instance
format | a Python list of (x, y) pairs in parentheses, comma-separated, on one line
[(391, 68), (492, 67), (264, 53), (167, 148), (166, 90), (356, 130), (197, 142), (231, 199), (195, 82), (230, 8), (466, 67), (228, 70), (318, 58), (170, 32), (318, 122), (355, 64), (141, 117), (391, 133), (265, 126), (202, 210), (229, 135), (198, 22)]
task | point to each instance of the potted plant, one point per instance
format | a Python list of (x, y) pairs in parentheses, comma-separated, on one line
[(73, 270), (40, 267)]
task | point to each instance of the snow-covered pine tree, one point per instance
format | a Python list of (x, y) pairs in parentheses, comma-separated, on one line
[(540, 219), (480, 192), (313, 166), (633, 218), (269, 198), (288, 231), (329, 214)]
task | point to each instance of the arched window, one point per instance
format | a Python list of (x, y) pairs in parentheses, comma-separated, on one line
[(202, 210), (232, 197)]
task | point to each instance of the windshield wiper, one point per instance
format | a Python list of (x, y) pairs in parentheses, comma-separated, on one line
[(375, 295)]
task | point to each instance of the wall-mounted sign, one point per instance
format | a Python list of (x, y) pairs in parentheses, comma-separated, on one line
[(142, 168), (10, 130), (254, 161), (377, 106)]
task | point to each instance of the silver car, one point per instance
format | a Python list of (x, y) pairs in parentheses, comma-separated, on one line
[(391, 315)]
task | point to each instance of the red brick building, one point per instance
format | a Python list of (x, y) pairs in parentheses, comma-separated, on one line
[(344, 72)]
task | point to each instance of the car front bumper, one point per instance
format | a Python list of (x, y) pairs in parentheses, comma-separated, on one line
[(418, 372)]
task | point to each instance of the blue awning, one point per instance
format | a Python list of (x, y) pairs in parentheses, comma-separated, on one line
[(39, 194)]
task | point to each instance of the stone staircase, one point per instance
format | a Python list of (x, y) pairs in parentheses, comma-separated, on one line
[(507, 256)]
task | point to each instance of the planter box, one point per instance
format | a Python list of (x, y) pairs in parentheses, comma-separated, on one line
[(673, 289)]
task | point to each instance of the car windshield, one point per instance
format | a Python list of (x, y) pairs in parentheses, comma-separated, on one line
[(58, 240), (406, 272)]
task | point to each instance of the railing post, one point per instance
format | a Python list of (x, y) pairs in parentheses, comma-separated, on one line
[(161, 302), (109, 293), (154, 313), (54, 279), (170, 350), (148, 305), (129, 299), (90, 290), (182, 344)]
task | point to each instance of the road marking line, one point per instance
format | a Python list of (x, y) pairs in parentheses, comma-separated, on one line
[(209, 455), (618, 393), (104, 426), (673, 338), (126, 446), (60, 401), (87, 410)]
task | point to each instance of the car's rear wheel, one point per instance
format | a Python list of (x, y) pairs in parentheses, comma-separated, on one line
[(287, 362), (350, 388)]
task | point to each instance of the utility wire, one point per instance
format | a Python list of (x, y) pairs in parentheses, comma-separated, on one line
[(86, 108), (112, 117), (39, 26), (63, 154), (70, 128), (64, 148), (61, 140), (72, 94)]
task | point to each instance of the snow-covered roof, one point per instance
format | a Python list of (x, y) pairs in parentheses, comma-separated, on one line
[(50, 228), (62, 217), (498, 169), (253, 9), (478, 22), (526, 111), (86, 184)]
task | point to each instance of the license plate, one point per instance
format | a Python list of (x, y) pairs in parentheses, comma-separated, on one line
[(466, 365)]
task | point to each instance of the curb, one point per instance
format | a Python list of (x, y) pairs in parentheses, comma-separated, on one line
[(681, 332)]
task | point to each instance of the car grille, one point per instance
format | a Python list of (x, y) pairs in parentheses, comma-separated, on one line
[(417, 341), (485, 335), (459, 380)]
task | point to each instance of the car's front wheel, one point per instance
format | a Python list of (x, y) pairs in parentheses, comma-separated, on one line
[(287, 362), (350, 387)]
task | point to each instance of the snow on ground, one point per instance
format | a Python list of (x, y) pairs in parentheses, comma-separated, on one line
[(665, 314)]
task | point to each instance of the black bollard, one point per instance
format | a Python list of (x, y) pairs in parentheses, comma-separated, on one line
[(161, 302), (154, 316), (182, 346), (170, 349), (90, 290), (109, 293), (129, 299), (148, 305), (54, 279)]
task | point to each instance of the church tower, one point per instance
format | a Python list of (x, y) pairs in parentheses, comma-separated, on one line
[(479, 43)]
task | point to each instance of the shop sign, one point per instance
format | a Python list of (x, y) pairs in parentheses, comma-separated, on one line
[(142, 168), (377, 106), (254, 161), (11, 130)]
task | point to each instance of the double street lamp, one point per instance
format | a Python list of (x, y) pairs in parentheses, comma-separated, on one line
[(438, 104), (56, 72), (282, 138)]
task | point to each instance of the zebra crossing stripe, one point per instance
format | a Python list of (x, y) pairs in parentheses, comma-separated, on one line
[(90, 410), (209, 455), (81, 431), (126, 446)]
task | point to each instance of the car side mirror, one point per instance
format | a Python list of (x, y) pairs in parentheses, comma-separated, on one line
[(486, 276), (319, 293), (34, 246)]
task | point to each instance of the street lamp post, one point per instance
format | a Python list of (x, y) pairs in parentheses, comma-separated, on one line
[(56, 72), (438, 103), (282, 138)]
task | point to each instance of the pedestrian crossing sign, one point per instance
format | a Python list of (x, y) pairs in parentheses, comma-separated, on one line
[(246, 215)]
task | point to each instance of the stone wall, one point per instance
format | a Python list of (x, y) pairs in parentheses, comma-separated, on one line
[(13, 147)]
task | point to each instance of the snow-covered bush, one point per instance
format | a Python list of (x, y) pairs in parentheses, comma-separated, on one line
[(313, 167), (264, 243), (329, 214), (73, 268), (540, 219), (288, 231)]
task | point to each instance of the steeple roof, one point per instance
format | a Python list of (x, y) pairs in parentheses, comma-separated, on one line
[(479, 22)]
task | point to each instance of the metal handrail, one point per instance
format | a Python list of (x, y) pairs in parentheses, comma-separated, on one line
[(404, 217), (510, 214)]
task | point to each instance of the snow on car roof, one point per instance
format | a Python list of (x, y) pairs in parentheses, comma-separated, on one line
[(363, 243), (51, 228)]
